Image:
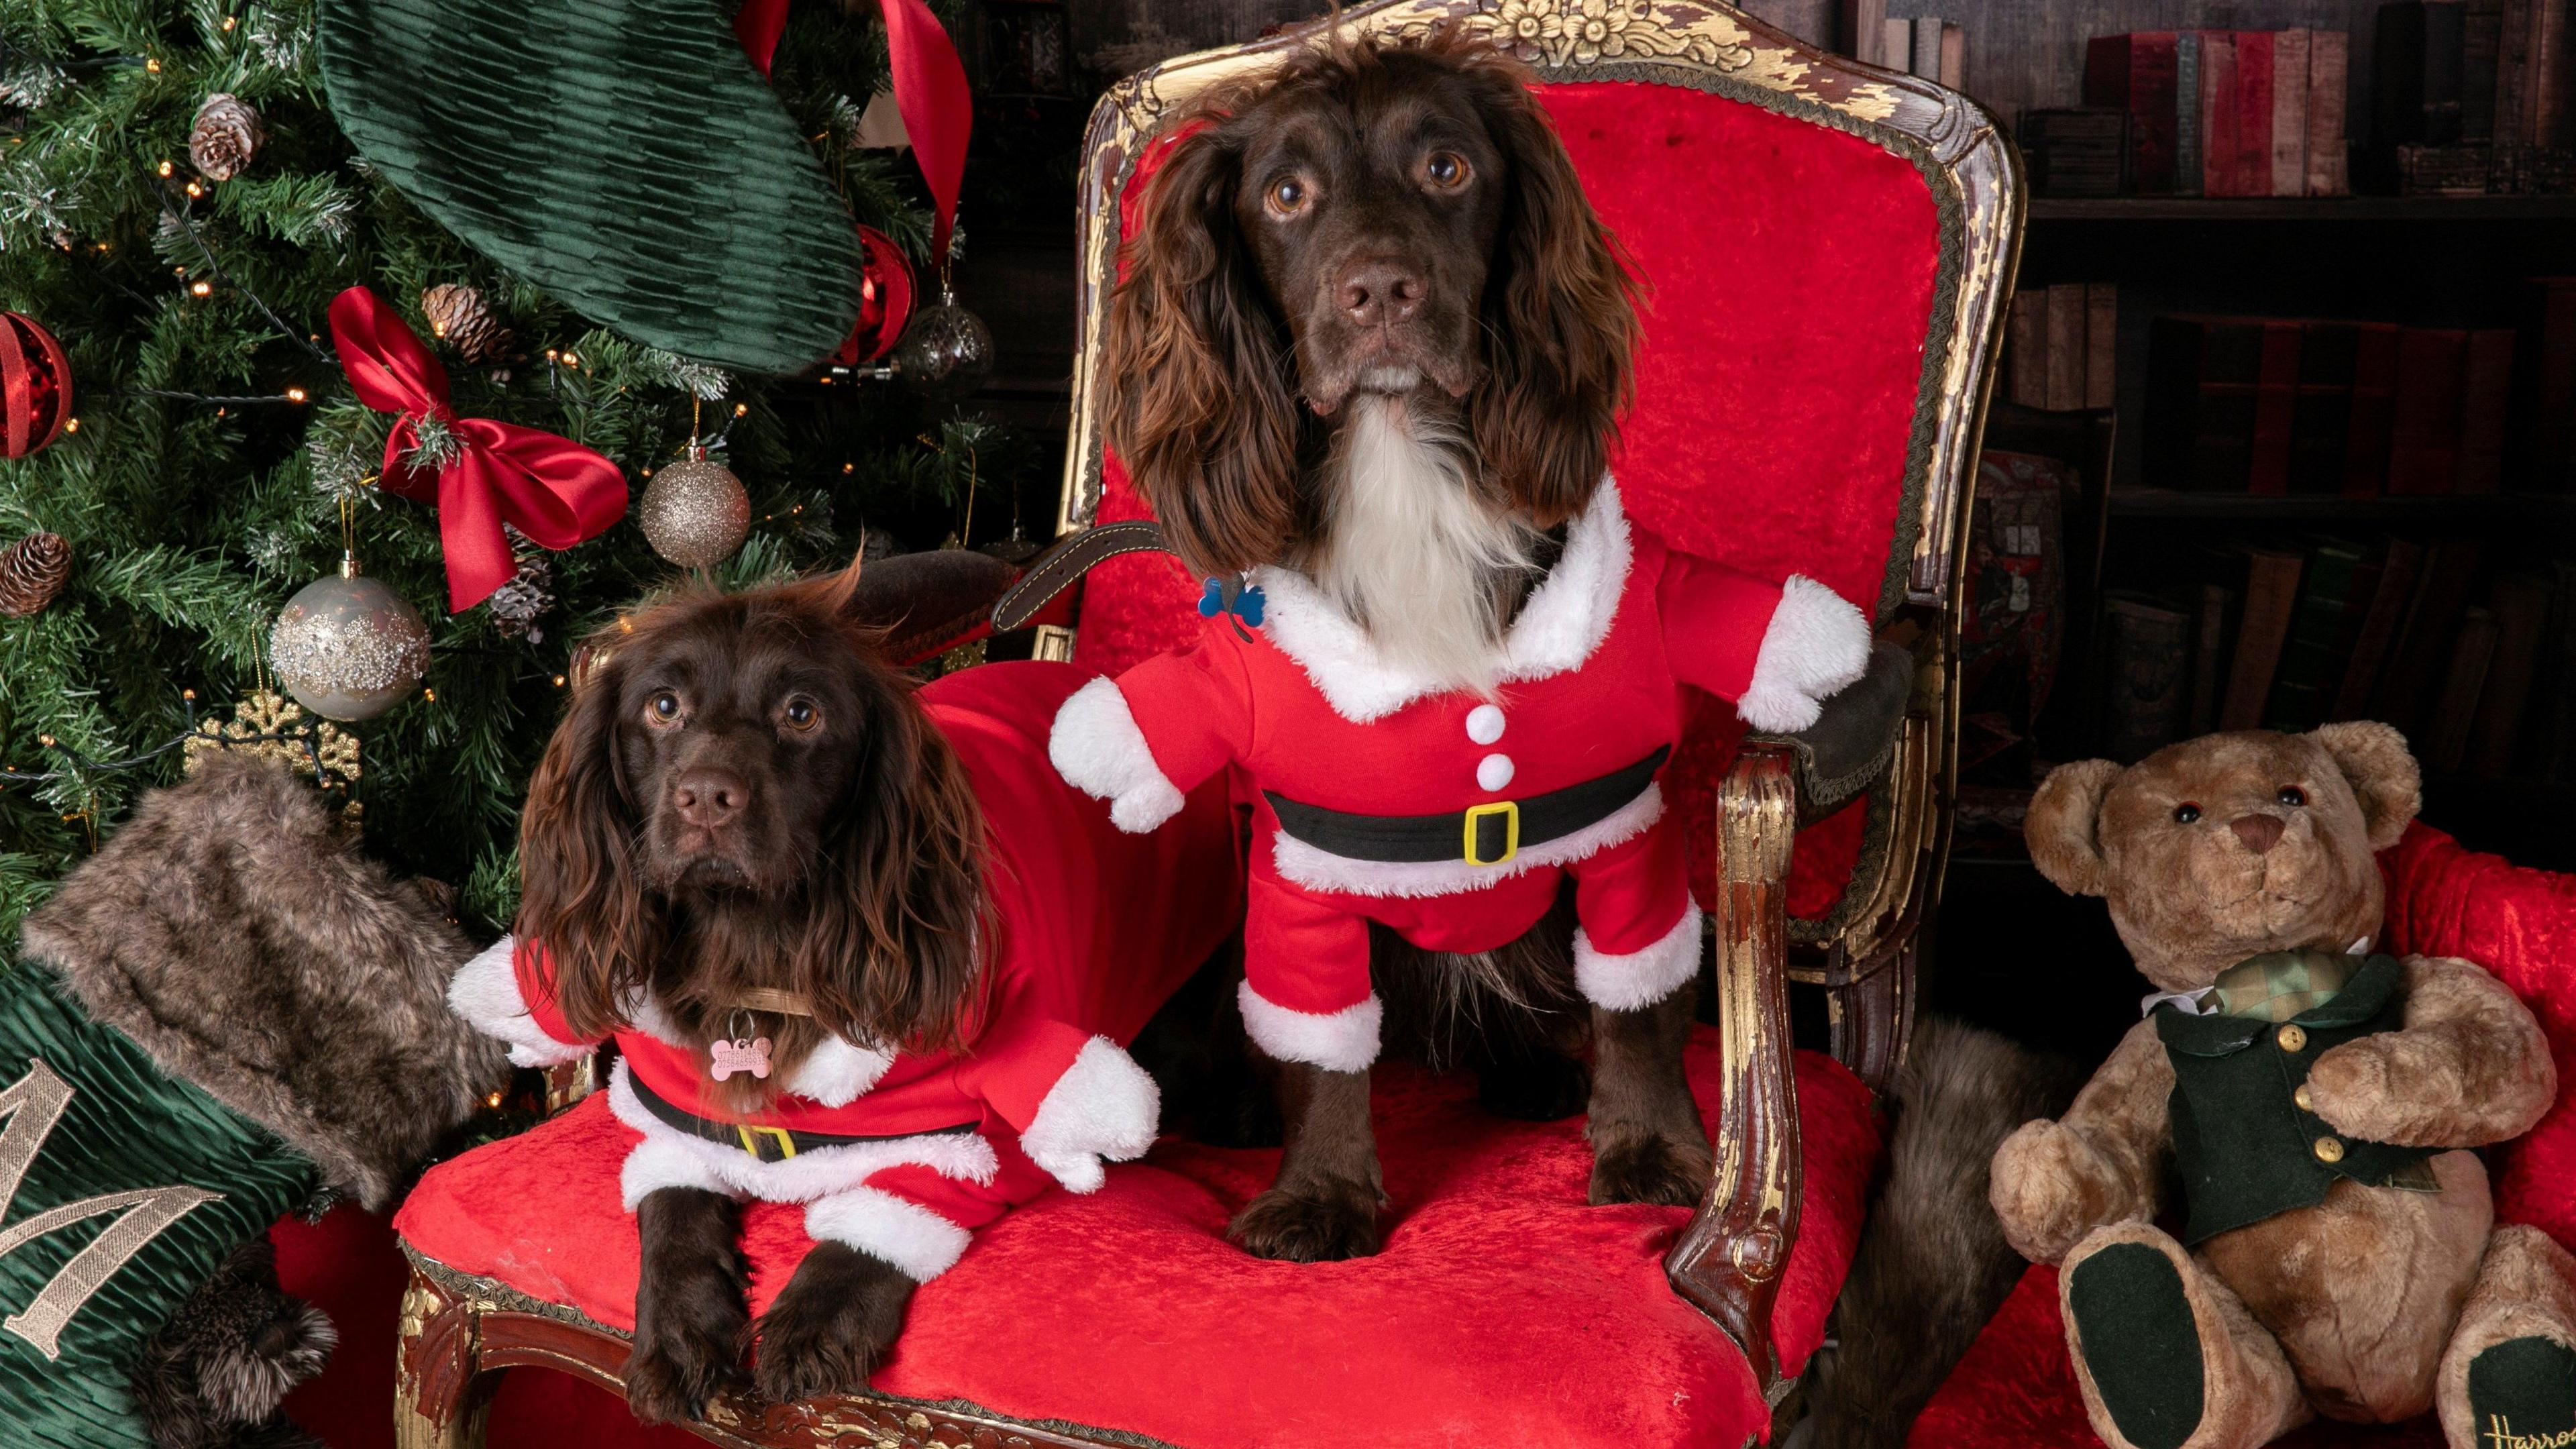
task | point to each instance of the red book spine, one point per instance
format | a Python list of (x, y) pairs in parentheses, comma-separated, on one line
[(2276, 402), (2219, 161), (2250, 168), (2135, 73), (2424, 432), (2374, 387), (2486, 392)]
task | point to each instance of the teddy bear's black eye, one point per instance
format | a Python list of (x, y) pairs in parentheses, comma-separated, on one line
[(2185, 813), (2292, 795)]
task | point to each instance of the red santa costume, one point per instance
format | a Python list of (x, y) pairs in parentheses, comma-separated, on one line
[(1451, 817), (902, 1154)]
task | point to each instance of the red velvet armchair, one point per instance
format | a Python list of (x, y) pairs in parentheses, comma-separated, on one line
[(2015, 1387), (1831, 248)]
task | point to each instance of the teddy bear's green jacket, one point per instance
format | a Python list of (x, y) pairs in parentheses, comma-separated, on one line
[(121, 1190), (2244, 1144)]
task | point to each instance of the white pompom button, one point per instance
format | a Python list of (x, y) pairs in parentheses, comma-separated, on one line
[(1484, 726), (1493, 772)]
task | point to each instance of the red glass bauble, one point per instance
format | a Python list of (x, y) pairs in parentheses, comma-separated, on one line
[(35, 386), (885, 300)]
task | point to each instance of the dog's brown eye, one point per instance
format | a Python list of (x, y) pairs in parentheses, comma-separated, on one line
[(2292, 795), (2185, 813), (662, 708), (1287, 195), (801, 714), (1446, 169)]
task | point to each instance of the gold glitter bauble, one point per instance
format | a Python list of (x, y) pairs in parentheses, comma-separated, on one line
[(348, 648), (695, 513)]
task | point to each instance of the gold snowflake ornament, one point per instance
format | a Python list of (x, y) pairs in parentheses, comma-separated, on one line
[(270, 726)]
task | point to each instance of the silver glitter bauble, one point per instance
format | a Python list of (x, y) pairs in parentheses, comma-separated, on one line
[(945, 354), (348, 648), (695, 513)]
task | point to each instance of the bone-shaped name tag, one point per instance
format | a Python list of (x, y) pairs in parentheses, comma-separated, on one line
[(729, 1057)]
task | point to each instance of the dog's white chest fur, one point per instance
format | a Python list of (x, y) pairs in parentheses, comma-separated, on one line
[(1411, 552)]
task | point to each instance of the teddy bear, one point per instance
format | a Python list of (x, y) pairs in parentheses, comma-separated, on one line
[(2336, 1252)]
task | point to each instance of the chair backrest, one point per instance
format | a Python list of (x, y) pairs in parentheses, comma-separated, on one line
[(1829, 250)]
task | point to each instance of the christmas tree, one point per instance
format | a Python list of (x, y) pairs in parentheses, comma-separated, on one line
[(178, 208)]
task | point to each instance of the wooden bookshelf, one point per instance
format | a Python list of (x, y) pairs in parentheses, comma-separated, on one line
[(2330, 209)]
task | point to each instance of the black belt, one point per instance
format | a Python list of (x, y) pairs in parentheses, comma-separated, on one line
[(769, 1144), (1487, 834)]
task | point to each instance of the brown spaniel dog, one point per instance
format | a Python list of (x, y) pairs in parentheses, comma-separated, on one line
[(1371, 331)]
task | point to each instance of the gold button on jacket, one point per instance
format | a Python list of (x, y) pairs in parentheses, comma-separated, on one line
[(2329, 1150), (2294, 1038)]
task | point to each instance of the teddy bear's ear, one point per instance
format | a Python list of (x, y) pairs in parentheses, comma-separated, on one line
[(2383, 773), (2060, 826)]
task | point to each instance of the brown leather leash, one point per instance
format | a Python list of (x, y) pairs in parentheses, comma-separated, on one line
[(1056, 570)]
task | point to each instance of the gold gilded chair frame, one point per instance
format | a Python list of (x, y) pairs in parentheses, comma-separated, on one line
[(459, 1331), (1729, 1260)]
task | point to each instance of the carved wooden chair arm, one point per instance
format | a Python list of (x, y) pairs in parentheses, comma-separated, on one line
[(1728, 1261)]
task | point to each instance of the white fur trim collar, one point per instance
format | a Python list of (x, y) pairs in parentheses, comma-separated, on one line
[(1103, 1107), (669, 1157), (1317, 869), (485, 991), (1641, 977), (1337, 1041), (1565, 619), (838, 1073)]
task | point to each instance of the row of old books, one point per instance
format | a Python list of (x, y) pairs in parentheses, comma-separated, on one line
[(2476, 96), (2290, 638), (2287, 405), (2061, 348), (2221, 112)]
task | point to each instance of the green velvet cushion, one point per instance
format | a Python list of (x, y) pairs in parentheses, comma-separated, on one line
[(621, 154)]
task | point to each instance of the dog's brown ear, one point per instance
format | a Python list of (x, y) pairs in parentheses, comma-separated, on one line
[(582, 895), (1547, 408), (1199, 406)]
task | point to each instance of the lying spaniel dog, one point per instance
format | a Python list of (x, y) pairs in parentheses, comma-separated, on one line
[(859, 949), (1366, 363)]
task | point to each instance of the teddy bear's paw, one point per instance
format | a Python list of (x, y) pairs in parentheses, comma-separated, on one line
[(2049, 1187), (2355, 1088)]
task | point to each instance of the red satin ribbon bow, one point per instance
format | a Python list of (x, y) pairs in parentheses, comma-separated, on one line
[(929, 90), (552, 489)]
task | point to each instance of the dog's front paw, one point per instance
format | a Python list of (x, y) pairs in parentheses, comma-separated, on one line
[(674, 1373), (1325, 1223), (831, 1325), (1651, 1168)]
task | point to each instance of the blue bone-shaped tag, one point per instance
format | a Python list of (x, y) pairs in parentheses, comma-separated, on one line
[(1232, 596)]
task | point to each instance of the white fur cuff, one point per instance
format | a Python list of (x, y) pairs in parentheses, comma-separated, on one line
[(1340, 1041), (1644, 976), (1815, 644), (1104, 1106), (917, 1241), (485, 991), (1098, 750)]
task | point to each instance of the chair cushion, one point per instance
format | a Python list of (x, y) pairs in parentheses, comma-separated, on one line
[(1502, 1310), (2016, 1390), (1793, 271), (2016, 1387)]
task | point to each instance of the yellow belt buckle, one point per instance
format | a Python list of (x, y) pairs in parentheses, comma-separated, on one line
[(751, 1144), (1510, 810)]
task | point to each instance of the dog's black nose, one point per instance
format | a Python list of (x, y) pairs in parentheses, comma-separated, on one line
[(1380, 290), (708, 797)]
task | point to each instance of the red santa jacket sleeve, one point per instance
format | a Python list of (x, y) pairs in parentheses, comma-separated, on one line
[(1774, 651), (508, 993), (1075, 1098), (1144, 740)]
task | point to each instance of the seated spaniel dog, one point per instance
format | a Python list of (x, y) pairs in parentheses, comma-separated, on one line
[(859, 948), (1366, 363)]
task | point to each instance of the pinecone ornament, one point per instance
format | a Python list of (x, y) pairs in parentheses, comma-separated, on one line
[(519, 606), (32, 572), (466, 322), (226, 136)]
